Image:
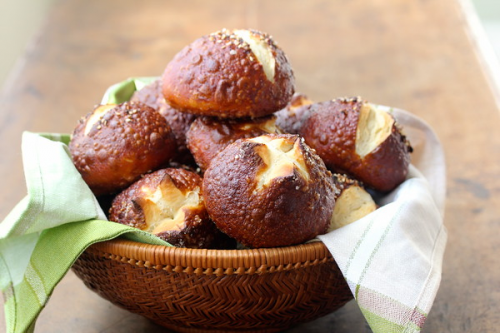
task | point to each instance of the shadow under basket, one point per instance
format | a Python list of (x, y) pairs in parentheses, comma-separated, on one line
[(190, 290)]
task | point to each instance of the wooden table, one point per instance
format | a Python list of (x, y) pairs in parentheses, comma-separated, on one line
[(421, 56)]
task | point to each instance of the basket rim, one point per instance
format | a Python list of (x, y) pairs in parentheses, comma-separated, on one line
[(219, 262)]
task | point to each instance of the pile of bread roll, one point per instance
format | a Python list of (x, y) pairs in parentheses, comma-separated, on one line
[(221, 150)]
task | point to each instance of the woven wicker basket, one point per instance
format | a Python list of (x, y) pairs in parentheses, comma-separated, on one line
[(186, 290)]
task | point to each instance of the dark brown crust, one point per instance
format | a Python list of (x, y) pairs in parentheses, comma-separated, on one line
[(331, 131), (289, 211), (218, 76), (292, 118), (208, 136), (343, 182), (198, 230), (128, 141), (150, 95), (179, 122)]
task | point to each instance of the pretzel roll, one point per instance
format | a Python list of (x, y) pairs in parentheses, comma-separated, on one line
[(115, 144), (229, 74), (179, 122), (360, 139), (352, 202), (169, 203), (269, 191), (208, 136), (292, 118)]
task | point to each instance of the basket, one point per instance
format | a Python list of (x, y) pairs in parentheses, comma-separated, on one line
[(191, 290)]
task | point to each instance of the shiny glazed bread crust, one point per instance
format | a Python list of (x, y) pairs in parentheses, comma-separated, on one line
[(179, 122), (219, 75), (261, 206), (115, 148), (208, 136), (169, 204), (332, 130)]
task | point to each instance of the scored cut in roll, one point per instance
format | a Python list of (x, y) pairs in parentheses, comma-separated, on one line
[(269, 191), (360, 139), (169, 204), (229, 74)]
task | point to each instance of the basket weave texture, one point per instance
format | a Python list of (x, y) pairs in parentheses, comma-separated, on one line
[(189, 290)]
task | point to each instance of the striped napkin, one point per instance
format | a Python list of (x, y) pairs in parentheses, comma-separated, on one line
[(391, 259), (45, 233)]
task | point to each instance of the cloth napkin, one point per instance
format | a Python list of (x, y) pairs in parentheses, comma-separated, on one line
[(391, 258), (47, 231)]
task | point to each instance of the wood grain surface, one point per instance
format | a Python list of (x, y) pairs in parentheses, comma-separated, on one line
[(417, 55)]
